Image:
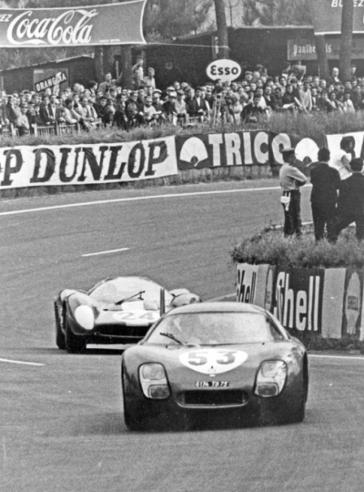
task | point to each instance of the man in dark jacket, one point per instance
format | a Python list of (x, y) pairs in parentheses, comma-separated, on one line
[(351, 200), (325, 184)]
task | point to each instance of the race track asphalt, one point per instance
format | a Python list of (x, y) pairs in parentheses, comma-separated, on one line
[(61, 425)]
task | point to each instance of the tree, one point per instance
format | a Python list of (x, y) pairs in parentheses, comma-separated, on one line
[(276, 12), (346, 43), (168, 19), (222, 32)]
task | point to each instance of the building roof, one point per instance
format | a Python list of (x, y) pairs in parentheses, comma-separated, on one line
[(58, 61)]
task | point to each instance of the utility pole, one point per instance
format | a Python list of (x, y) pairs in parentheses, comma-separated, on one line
[(222, 31), (231, 8)]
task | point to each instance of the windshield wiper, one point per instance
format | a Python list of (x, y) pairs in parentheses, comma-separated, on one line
[(118, 303), (186, 344), (172, 337)]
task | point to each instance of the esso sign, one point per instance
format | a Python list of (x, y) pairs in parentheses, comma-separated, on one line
[(224, 69)]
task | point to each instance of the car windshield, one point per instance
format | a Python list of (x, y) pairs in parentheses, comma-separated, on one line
[(215, 329), (121, 288)]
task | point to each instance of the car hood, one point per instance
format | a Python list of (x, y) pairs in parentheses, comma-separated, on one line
[(128, 314), (184, 363)]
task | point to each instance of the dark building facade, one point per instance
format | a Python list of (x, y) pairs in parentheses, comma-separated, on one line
[(67, 72), (274, 47)]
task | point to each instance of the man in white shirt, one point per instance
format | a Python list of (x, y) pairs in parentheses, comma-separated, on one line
[(291, 179)]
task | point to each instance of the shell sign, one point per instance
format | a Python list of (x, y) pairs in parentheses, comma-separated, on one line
[(224, 69)]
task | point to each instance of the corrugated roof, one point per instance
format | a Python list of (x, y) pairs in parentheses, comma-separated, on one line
[(61, 60)]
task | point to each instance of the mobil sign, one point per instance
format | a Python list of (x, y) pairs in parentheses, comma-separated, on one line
[(224, 69)]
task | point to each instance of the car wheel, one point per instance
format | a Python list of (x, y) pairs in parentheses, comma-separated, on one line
[(74, 344), (133, 420), (132, 417), (298, 414), (60, 338)]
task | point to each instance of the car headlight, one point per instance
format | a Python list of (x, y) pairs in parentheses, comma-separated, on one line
[(85, 317), (153, 381), (271, 378)]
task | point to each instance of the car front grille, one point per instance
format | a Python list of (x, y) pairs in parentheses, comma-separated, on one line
[(122, 331), (215, 397)]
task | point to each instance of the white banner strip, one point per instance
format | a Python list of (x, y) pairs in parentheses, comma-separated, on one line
[(87, 164)]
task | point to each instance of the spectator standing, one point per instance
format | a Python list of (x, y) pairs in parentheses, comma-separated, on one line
[(87, 113), (253, 110), (149, 79), (169, 107), (291, 179), (46, 113), (325, 185), (150, 114), (334, 79), (105, 86), (70, 115), (289, 99), (12, 110), (157, 102), (341, 161), (138, 72), (348, 104), (120, 118), (191, 103), (180, 106), (203, 107), (22, 122), (306, 97), (33, 116), (351, 200)]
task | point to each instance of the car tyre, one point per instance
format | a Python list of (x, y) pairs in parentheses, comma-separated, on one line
[(134, 421), (60, 337), (298, 415), (74, 344)]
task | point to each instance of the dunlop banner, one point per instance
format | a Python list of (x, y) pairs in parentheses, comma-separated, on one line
[(87, 164), (115, 24)]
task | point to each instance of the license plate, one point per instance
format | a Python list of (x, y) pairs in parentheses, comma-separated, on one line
[(212, 384)]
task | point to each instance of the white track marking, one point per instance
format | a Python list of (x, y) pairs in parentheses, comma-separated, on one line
[(22, 362), (105, 252), (347, 357), (135, 199), (221, 298)]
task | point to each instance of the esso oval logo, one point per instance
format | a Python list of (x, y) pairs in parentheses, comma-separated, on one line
[(224, 69)]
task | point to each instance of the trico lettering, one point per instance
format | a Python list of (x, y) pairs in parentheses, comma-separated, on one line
[(69, 28), (295, 308)]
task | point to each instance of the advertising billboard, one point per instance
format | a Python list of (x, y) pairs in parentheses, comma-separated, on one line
[(112, 24), (326, 15)]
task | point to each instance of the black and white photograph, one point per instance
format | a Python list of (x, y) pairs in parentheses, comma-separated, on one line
[(182, 245)]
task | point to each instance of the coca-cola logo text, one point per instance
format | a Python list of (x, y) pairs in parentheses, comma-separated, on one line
[(70, 28)]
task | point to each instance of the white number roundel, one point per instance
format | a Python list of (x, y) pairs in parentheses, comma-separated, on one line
[(224, 69), (212, 361)]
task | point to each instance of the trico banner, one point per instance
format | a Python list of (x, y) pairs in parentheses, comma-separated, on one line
[(87, 164), (227, 149), (111, 24), (326, 15)]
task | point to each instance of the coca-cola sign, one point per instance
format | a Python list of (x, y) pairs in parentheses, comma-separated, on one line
[(77, 26)]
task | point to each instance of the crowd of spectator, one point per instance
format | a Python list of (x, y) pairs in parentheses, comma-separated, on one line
[(107, 104)]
